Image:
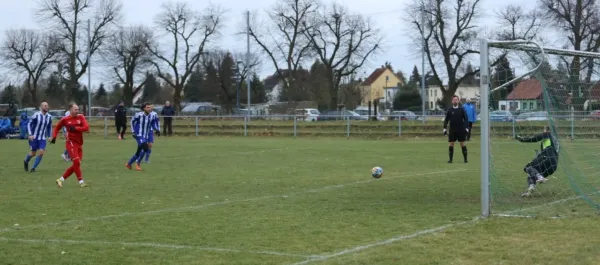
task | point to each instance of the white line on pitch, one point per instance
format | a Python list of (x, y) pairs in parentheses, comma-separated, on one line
[(201, 206), (414, 235), (153, 245), (384, 242)]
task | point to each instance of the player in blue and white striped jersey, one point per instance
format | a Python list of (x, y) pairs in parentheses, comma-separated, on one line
[(65, 154), (39, 130), (146, 155), (141, 126)]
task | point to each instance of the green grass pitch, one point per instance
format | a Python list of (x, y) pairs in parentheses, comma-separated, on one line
[(219, 200)]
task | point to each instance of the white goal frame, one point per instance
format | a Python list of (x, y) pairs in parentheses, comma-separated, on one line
[(485, 90)]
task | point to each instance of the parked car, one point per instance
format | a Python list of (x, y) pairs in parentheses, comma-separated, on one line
[(200, 109), (538, 116), (333, 115), (308, 114), (501, 115), (523, 116), (595, 115), (364, 112), (404, 115)]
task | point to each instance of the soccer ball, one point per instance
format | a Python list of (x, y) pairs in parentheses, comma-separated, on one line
[(377, 172)]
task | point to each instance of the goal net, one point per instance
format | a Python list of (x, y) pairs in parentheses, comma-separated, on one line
[(527, 90)]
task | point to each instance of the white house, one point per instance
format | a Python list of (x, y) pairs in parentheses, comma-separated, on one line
[(434, 94)]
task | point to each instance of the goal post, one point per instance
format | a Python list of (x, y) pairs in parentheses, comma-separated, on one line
[(539, 96)]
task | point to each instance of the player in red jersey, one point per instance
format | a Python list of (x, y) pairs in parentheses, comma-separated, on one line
[(76, 125)]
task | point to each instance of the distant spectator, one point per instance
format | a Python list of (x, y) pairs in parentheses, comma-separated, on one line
[(121, 120), (23, 125), (168, 112), (11, 114), (471, 115)]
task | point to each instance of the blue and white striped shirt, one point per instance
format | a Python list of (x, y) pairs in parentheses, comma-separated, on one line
[(40, 126), (156, 120), (142, 124)]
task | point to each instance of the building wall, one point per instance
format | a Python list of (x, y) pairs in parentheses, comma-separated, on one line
[(434, 94), (522, 105), (376, 89)]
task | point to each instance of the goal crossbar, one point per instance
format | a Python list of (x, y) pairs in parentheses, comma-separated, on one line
[(521, 45)]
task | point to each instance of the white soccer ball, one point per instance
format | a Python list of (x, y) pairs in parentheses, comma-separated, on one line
[(377, 172)]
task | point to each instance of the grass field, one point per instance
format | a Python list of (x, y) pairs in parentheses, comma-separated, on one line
[(220, 200)]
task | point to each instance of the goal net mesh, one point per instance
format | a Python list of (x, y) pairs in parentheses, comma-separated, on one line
[(562, 96)]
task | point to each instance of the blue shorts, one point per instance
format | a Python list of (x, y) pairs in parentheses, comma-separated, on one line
[(150, 137), (35, 145)]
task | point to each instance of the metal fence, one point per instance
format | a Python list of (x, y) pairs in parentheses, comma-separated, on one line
[(570, 126)]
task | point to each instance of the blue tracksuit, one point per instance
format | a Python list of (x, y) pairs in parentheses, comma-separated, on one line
[(471, 112)]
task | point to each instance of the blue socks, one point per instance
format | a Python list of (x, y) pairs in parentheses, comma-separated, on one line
[(148, 154), (132, 160), (27, 158), (139, 159), (38, 159), (66, 153)]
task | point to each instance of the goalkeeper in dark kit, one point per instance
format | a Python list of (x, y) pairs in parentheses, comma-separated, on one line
[(545, 162)]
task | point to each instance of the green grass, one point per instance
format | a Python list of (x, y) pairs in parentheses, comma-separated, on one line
[(221, 200), (357, 129)]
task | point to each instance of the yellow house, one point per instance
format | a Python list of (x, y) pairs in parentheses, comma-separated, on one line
[(374, 86)]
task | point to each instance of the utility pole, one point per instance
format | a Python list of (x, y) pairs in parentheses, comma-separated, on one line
[(248, 71), (89, 56), (423, 94)]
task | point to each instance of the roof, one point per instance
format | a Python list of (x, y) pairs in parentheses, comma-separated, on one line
[(376, 74), (595, 92), (526, 89)]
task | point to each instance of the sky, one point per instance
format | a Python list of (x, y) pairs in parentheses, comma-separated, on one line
[(387, 15)]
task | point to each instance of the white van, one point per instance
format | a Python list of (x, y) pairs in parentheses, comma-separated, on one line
[(308, 114)]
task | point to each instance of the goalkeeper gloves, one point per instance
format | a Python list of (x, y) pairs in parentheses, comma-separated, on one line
[(445, 132), (53, 141), (158, 133)]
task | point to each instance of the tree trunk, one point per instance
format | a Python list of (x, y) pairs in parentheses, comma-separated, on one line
[(177, 97), (128, 94), (34, 99)]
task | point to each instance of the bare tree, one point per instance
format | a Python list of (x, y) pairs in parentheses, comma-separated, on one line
[(580, 21), (343, 42), (450, 33), (284, 40), (243, 69), (190, 32), (29, 52), (128, 55), (517, 24)]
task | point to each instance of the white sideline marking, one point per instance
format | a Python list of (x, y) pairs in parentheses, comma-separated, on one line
[(415, 234), (201, 206), (384, 242), (152, 245)]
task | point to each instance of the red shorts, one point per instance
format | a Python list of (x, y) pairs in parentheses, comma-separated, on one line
[(75, 151)]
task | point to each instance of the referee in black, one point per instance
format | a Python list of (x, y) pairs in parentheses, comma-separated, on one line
[(459, 127)]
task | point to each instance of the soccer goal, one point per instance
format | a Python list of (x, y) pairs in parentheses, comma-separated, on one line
[(525, 90)]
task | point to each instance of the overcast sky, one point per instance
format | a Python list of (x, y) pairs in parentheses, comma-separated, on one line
[(387, 15)]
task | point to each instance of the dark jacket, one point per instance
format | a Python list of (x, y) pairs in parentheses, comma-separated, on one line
[(120, 114), (168, 112), (548, 145)]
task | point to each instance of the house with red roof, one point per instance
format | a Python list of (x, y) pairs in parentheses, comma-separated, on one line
[(382, 84), (526, 96)]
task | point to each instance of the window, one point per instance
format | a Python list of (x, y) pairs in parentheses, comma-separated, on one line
[(530, 105), (525, 106)]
